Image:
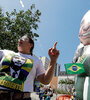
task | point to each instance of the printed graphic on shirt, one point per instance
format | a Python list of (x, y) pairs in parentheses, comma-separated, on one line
[(14, 71)]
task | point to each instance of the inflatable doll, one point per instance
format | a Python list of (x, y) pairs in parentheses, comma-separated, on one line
[(82, 55)]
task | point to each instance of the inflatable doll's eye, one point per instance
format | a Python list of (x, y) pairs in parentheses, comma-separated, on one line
[(86, 28)]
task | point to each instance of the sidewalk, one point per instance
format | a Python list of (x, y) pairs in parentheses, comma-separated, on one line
[(34, 96)]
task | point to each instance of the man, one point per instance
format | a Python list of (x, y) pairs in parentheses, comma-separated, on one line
[(82, 55), (18, 70)]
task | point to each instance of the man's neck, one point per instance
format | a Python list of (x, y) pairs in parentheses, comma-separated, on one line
[(27, 53)]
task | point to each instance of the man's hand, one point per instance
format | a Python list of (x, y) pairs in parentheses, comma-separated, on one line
[(53, 53)]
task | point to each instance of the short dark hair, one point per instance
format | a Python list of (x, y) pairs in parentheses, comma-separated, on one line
[(30, 41)]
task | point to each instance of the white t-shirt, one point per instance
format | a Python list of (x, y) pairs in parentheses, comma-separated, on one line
[(37, 69)]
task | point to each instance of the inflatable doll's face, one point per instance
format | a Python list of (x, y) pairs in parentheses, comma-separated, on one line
[(84, 33)]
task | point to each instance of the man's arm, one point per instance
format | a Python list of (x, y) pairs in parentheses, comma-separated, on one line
[(47, 77)]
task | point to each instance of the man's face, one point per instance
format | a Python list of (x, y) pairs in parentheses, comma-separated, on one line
[(24, 45)]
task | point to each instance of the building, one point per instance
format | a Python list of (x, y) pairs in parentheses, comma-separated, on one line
[(45, 61), (66, 77), (57, 70), (58, 75)]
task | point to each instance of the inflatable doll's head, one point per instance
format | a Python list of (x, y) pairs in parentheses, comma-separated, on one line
[(84, 33)]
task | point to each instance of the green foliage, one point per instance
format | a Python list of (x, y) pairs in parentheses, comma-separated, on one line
[(66, 81), (15, 24), (62, 91)]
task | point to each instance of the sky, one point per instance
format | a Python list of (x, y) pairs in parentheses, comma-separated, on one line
[(60, 21)]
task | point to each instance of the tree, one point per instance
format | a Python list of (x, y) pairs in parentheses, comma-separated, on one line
[(15, 24)]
